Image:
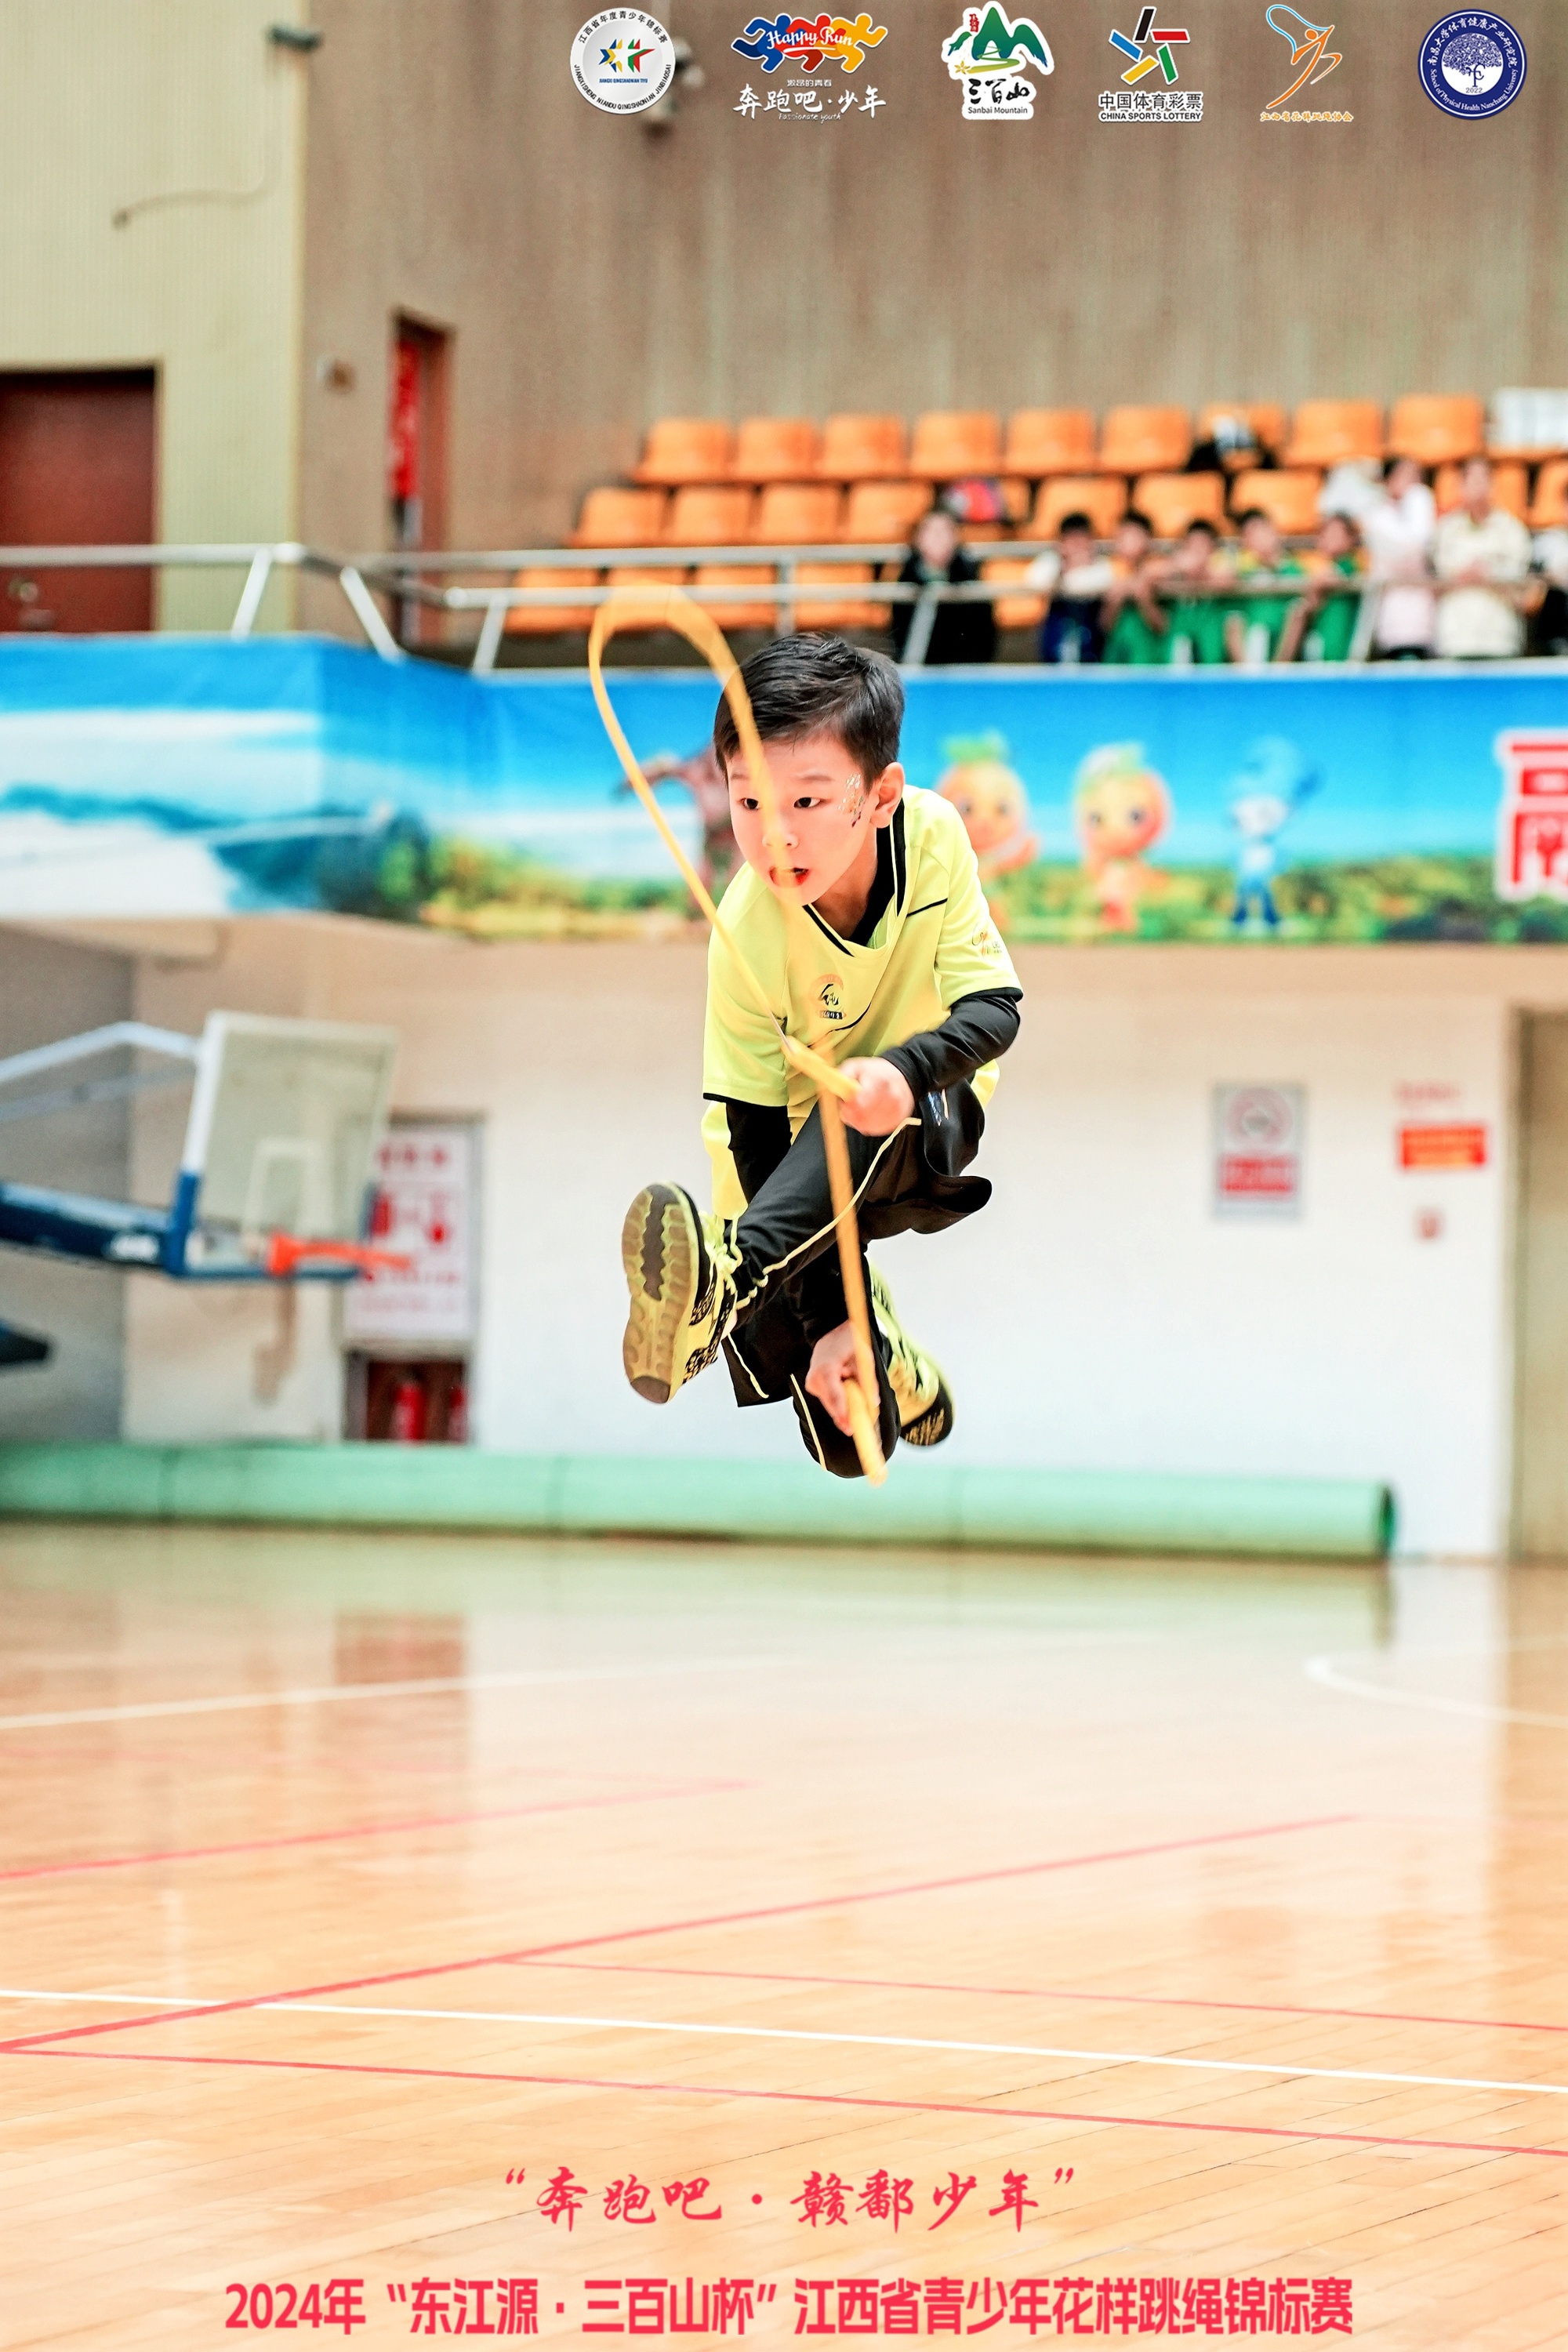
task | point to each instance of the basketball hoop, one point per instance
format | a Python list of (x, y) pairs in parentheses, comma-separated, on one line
[(285, 1253)]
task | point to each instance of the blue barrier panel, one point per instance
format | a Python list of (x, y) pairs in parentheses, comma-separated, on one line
[(162, 776)]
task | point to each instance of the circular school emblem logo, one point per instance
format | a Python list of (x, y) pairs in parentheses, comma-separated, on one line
[(622, 60), (1472, 63)]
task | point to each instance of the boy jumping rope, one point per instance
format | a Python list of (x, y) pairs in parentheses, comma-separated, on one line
[(875, 945)]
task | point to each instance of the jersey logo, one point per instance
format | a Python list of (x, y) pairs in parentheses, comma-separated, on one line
[(830, 996)]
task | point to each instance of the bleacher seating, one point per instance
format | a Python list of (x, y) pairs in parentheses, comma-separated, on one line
[(1333, 432), (1042, 441), (709, 515), (949, 443), (797, 514), (617, 517), (1172, 501), (1101, 496), (884, 510), (550, 620), (1288, 496), (776, 450), (1145, 440), (1270, 421), (864, 449), (1549, 509), (1436, 429), (681, 449)]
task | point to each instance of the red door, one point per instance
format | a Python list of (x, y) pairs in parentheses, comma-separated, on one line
[(416, 456), (77, 465)]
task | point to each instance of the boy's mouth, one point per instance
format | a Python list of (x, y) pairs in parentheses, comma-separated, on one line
[(787, 877)]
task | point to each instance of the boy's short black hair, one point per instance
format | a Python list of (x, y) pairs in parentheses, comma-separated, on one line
[(1136, 514), (1077, 521), (1253, 514), (1202, 522), (811, 684)]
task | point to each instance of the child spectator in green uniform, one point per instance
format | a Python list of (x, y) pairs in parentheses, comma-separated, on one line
[(1136, 629), (1197, 632), (1255, 624), (1321, 626)]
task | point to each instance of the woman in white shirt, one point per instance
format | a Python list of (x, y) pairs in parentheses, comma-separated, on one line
[(1398, 529)]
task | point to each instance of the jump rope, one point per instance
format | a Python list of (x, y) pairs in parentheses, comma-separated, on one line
[(669, 608)]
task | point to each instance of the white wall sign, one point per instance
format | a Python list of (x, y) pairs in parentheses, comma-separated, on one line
[(1258, 1133), (426, 1180)]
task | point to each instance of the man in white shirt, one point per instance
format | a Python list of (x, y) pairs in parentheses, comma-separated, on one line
[(1481, 556), (1397, 529)]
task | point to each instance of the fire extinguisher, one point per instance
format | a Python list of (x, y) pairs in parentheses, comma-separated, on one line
[(409, 1412)]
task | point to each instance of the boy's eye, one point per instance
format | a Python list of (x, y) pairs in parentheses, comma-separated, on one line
[(807, 800)]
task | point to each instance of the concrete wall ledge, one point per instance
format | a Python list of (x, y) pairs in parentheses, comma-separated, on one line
[(924, 1502)]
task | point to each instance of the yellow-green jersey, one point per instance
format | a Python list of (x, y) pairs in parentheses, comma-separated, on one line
[(932, 943)]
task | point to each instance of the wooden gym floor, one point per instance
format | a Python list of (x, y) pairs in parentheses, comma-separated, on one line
[(360, 1892)]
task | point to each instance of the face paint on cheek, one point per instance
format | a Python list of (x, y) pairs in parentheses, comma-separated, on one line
[(853, 804)]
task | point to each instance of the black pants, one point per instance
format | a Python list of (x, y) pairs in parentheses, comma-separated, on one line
[(790, 1281)]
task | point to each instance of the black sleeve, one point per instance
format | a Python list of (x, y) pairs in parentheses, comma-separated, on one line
[(759, 1139), (976, 1030)]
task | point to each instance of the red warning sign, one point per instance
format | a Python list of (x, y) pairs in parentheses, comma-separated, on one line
[(1457, 1143)]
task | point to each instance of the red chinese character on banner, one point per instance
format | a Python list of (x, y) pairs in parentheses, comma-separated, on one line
[(628, 2200), (430, 2301), (476, 2324), (1202, 2305), (688, 2194), (694, 2323), (1289, 2304), (809, 2322), (605, 2296), (1330, 2306), (1159, 2301), (518, 2312), (563, 2195), (1031, 2305), (859, 2308), (734, 2302), (944, 2307), (1116, 2306), (1073, 2309), (952, 2196), (885, 2199), (1014, 2201), (1246, 2306), (343, 2306), (823, 2201), (980, 2296), (901, 2308), (644, 2306)]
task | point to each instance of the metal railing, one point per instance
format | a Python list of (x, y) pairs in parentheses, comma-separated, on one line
[(402, 576)]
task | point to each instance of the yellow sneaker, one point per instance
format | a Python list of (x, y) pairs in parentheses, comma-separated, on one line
[(924, 1401), (679, 1268)]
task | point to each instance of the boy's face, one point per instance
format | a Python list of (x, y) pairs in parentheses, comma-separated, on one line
[(1076, 549), (936, 540), (1261, 540), (829, 814), (1132, 542), (1193, 554), (1336, 538)]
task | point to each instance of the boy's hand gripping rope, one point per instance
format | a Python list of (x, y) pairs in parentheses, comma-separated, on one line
[(668, 608)]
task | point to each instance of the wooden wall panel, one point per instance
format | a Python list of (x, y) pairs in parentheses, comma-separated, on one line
[(594, 275)]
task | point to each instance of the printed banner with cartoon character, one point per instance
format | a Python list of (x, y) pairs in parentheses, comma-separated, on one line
[(157, 776)]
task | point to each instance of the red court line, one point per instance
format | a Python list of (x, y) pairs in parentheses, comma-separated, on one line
[(994, 2114), (367, 1830), (1046, 1992), (672, 1928)]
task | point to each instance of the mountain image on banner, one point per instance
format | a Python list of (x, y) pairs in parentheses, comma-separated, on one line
[(989, 42)]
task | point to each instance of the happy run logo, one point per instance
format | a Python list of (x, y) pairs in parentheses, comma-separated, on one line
[(1150, 47), (1312, 61), (809, 41), (989, 55)]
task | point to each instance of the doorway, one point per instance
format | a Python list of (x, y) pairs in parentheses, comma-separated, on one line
[(416, 455), (78, 467), (1541, 1277)]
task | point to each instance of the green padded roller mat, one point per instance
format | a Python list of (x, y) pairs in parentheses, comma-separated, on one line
[(925, 1501)]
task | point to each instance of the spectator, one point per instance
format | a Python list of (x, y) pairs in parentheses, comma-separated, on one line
[(1321, 626), (1483, 557), (1078, 577), (1232, 447), (1135, 625), (1547, 612), (960, 633), (1398, 529), (1254, 627), (1197, 632)]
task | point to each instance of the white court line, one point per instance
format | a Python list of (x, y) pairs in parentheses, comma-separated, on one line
[(855, 2040), (1323, 1669), (334, 1693)]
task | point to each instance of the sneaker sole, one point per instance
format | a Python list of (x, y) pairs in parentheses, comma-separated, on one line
[(661, 1252), (935, 1423)]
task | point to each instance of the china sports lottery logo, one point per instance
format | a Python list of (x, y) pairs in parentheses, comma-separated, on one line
[(622, 60), (1472, 64)]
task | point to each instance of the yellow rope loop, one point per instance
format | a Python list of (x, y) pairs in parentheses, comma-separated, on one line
[(667, 607)]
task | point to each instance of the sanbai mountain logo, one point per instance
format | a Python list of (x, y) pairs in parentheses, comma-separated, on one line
[(991, 54)]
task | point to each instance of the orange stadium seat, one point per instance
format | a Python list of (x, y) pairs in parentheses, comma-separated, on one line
[(1101, 496), (615, 518), (864, 449), (775, 449), (1145, 440), (883, 511), (1014, 612), (1290, 499), (1436, 429), (1511, 485), (681, 449), (1172, 501), (1550, 505), (1332, 431), (1267, 419), (550, 620), (631, 577), (738, 576), (838, 612), (1043, 441), (797, 514), (949, 441), (703, 517)]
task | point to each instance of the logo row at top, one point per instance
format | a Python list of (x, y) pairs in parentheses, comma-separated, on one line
[(1471, 63)]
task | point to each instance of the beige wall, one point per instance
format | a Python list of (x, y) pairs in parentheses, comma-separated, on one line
[(1098, 1315), (595, 276), (103, 104)]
